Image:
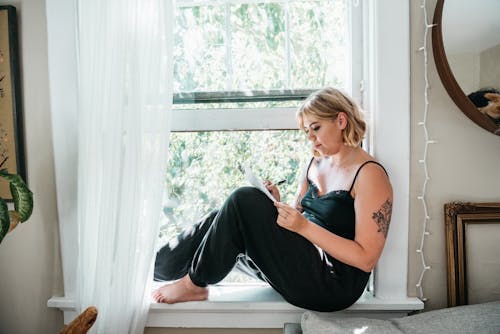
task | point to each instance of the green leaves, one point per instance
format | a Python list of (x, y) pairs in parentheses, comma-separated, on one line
[(264, 45), (23, 203), (21, 195), (4, 219)]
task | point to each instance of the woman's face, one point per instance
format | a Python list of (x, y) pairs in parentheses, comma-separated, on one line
[(325, 135)]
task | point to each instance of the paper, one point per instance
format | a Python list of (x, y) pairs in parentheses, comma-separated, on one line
[(256, 181)]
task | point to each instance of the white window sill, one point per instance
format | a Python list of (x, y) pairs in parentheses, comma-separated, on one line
[(248, 306)]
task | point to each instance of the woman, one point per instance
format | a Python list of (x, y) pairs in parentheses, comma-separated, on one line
[(317, 254)]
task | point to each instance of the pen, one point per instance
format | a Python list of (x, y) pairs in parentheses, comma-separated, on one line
[(278, 183)]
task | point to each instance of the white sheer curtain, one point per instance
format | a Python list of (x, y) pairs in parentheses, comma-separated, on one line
[(124, 73)]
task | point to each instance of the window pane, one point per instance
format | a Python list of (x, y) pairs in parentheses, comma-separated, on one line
[(203, 169), (228, 46)]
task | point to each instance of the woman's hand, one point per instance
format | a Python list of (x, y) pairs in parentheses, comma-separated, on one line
[(290, 218), (273, 190)]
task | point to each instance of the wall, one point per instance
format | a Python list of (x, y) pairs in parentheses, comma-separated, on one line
[(29, 255), (490, 71), (476, 71), (462, 165), (466, 68), (483, 263)]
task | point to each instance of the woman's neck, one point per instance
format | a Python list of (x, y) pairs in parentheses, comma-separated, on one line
[(343, 157)]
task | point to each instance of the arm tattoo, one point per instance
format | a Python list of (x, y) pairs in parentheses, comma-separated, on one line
[(383, 217)]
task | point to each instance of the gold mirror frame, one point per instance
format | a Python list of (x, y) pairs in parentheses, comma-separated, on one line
[(448, 79)]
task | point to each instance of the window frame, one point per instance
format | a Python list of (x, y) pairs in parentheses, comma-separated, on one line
[(386, 94)]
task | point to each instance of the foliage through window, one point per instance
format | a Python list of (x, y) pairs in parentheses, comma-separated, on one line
[(203, 169), (235, 46)]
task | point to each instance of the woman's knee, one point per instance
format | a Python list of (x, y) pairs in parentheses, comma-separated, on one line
[(252, 206), (247, 195)]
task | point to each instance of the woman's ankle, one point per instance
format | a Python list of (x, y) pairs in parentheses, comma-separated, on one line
[(190, 285)]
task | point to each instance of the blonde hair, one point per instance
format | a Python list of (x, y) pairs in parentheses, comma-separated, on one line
[(326, 104)]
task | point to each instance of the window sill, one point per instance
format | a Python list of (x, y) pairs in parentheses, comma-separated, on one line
[(248, 306)]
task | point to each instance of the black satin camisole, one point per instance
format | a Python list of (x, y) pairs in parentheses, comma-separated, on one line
[(333, 211)]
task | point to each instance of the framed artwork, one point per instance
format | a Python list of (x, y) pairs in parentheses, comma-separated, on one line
[(11, 122), (472, 252)]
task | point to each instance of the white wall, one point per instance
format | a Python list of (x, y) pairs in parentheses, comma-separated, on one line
[(463, 166), (490, 70), (29, 256), (474, 71), (466, 68)]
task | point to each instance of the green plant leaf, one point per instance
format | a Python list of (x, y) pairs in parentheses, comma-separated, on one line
[(4, 219), (22, 196)]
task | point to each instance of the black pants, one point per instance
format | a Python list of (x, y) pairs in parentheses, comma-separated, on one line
[(244, 233)]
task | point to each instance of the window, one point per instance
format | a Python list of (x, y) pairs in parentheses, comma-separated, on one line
[(244, 66), (236, 61), (261, 45)]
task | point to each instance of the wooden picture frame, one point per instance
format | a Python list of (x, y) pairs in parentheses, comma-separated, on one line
[(458, 216), (11, 122)]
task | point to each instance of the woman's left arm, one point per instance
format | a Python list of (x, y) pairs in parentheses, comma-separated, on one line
[(373, 209)]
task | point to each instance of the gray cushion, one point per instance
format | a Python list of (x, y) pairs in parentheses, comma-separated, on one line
[(479, 318), (324, 323)]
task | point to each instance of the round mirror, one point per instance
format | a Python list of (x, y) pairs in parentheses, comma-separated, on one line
[(466, 47)]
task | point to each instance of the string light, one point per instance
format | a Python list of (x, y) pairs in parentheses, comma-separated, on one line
[(427, 141)]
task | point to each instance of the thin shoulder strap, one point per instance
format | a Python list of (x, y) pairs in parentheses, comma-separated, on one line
[(308, 167), (362, 165)]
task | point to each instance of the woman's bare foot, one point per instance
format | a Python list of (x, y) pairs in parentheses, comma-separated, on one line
[(183, 290)]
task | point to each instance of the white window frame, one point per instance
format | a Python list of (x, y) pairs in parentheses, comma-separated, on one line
[(386, 94)]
